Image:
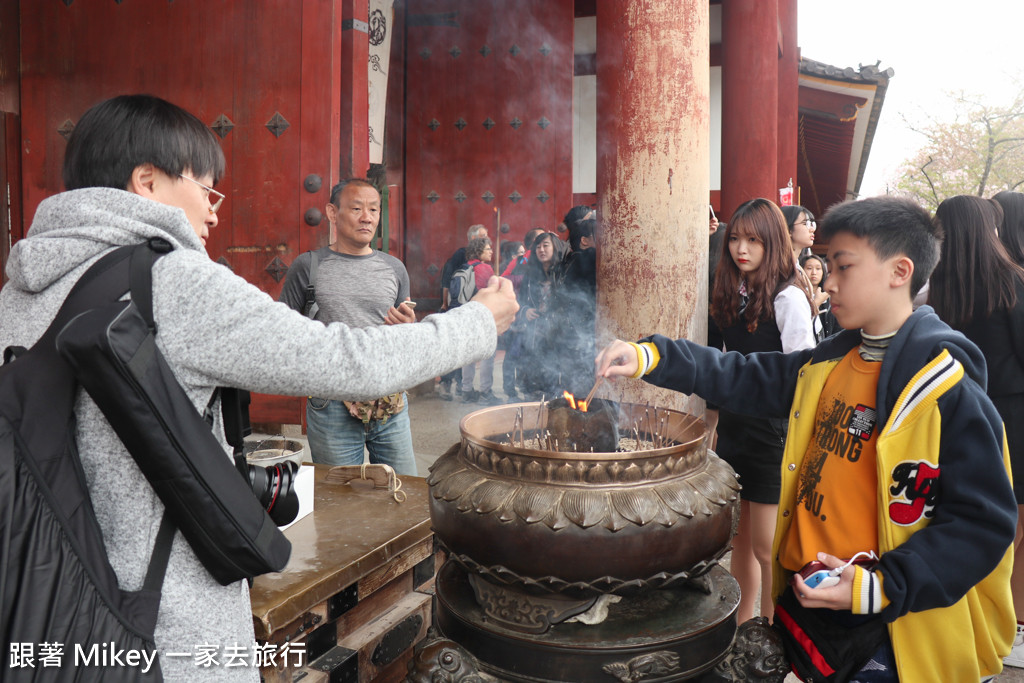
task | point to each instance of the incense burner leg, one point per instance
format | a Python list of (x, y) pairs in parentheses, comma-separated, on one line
[(756, 655), (439, 660)]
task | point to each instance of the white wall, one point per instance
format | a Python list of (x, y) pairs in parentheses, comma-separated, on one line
[(584, 112)]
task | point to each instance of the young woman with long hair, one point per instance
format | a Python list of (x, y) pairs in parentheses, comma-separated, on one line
[(757, 305), (978, 289), (817, 273), (801, 225), (539, 364)]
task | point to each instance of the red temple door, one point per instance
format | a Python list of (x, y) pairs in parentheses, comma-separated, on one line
[(237, 65), (488, 124)]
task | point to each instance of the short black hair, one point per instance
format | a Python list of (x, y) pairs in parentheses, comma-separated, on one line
[(892, 226), (575, 215), (340, 187), (579, 230), (118, 135)]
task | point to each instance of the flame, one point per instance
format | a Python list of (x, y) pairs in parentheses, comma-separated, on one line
[(573, 403)]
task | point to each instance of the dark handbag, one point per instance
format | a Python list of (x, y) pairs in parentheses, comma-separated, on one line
[(819, 647), (112, 351)]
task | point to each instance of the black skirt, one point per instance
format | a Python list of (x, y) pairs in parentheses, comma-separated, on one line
[(753, 447)]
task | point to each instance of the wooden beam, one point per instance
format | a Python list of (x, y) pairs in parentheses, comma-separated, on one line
[(832, 105)]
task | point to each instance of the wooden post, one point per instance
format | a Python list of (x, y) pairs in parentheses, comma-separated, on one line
[(789, 94), (750, 102), (355, 94), (652, 177)]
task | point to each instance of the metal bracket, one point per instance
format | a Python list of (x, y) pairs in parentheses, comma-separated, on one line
[(355, 24), (397, 640), (341, 602)]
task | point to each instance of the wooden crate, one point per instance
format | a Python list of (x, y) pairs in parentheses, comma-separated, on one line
[(356, 592)]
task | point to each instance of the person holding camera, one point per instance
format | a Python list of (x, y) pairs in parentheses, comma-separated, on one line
[(138, 167)]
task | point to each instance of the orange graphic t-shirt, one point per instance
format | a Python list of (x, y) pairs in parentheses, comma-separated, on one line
[(837, 495)]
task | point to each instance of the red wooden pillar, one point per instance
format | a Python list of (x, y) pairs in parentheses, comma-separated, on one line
[(750, 101), (355, 54), (652, 175), (321, 90), (789, 93)]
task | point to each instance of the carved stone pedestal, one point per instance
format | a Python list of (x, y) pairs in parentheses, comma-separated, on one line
[(660, 636)]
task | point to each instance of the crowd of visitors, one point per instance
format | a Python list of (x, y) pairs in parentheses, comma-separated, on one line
[(550, 347)]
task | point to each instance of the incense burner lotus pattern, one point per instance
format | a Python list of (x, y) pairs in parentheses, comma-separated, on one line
[(583, 523)]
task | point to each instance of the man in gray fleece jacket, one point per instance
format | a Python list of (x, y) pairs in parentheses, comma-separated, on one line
[(139, 167)]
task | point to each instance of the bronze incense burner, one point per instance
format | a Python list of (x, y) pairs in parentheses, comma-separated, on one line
[(516, 512), (584, 546)]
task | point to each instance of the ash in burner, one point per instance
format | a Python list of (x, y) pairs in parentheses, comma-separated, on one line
[(594, 430), (603, 428)]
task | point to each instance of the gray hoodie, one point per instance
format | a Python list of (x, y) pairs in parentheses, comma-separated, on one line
[(214, 329)]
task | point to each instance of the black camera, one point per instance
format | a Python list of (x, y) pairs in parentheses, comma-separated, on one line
[(274, 487)]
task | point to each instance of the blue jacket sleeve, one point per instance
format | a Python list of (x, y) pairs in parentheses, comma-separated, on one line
[(759, 384), (975, 512)]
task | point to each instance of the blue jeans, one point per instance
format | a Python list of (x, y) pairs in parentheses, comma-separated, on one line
[(337, 438)]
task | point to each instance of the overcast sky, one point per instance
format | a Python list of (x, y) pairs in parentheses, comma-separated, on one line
[(935, 47)]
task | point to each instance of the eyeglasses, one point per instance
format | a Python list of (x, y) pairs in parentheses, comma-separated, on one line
[(216, 197), (810, 224)]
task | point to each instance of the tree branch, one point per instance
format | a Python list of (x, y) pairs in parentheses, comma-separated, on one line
[(924, 172)]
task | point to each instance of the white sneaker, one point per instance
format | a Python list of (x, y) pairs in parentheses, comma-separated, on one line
[(1016, 656)]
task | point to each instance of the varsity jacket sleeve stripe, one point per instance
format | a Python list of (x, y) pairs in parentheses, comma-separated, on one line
[(759, 384)]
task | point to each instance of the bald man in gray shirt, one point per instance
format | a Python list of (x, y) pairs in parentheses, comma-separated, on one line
[(361, 287)]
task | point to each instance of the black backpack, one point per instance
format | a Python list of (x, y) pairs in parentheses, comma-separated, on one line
[(311, 307), (56, 583), (112, 351)]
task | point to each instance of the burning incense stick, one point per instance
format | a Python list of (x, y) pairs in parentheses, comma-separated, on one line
[(594, 390)]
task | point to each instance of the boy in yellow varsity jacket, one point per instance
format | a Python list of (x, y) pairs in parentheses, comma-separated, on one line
[(893, 447)]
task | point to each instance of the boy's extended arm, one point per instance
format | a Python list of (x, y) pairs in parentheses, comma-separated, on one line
[(759, 384), (975, 512)]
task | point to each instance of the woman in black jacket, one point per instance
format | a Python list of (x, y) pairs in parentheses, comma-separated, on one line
[(539, 334)]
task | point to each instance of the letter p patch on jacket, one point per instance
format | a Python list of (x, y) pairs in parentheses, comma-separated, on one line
[(915, 487)]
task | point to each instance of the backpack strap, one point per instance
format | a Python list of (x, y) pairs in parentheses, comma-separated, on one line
[(158, 561), (312, 307), (140, 275), (102, 282)]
